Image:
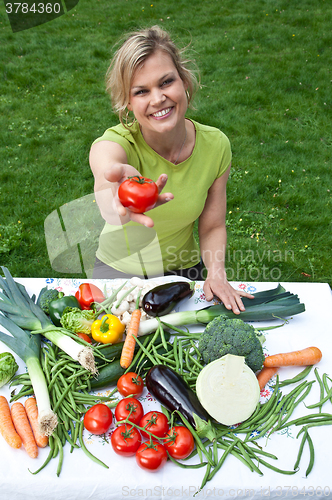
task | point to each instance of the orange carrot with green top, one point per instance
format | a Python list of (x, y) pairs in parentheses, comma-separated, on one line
[(304, 357), (32, 413), (22, 426), (7, 428), (265, 375)]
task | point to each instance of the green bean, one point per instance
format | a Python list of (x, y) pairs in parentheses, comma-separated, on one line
[(275, 469), (199, 366), (186, 466), (151, 358), (233, 452), (181, 356), (312, 456), (207, 473), (322, 401), (222, 460), (48, 458), (302, 375), (162, 358), (299, 455), (84, 448), (175, 351)]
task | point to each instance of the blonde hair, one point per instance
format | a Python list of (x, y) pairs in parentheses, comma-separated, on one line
[(137, 47)]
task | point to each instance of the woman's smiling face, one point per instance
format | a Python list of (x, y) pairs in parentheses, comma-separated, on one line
[(158, 95)]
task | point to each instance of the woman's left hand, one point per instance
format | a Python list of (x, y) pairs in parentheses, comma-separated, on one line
[(222, 289)]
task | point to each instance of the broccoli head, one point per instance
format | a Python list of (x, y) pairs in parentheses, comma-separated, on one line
[(231, 336), (46, 296)]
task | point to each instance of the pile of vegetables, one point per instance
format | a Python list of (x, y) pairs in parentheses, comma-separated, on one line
[(133, 338)]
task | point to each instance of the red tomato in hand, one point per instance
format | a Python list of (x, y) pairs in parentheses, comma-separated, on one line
[(139, 194), (126, 440), (179, 442), (154, 422), (130, 384), (98, 419), (151, 456), (131, 408)]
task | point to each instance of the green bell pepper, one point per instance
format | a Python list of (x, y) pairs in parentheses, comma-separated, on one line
[(57, 306)]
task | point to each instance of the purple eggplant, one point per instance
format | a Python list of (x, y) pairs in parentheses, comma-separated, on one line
[(162, 299), (171, 390)]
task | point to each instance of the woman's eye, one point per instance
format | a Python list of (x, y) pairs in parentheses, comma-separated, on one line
[(168, 81), (140, 92)]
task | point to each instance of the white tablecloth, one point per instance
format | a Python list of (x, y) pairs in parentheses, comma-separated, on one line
[(82, 479)]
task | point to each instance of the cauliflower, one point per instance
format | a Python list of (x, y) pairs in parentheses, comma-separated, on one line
[(232, 336)]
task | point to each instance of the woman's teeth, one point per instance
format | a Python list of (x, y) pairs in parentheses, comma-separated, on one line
[(163, 112)]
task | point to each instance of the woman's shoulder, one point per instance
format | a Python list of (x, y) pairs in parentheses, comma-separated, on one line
[(119, 132), (210, 133)]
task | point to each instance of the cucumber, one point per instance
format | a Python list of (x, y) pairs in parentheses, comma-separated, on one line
[(110, 374)]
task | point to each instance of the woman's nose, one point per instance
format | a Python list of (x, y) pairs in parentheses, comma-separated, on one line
[(157, 97)]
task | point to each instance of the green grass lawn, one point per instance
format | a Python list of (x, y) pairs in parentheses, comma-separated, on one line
[(266, 82)]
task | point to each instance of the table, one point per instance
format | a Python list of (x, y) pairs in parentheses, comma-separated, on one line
[(83, 479)]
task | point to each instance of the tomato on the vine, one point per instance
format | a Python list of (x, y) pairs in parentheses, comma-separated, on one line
[(179, 442), (151, 456), (131, 408), (138, 193), (155, 422), (126, 440), (130, 384), (98, 419)]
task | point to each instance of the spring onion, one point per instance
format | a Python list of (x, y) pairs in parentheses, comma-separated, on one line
[(18, 306), (27, 347), (266, 305)]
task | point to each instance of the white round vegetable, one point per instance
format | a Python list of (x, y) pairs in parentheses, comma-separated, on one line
[(228, 389)]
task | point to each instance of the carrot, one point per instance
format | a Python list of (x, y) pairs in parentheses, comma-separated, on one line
[(23, 429), (304, 357), (32, 413), (128, 348), (265, 375), (7, 428)]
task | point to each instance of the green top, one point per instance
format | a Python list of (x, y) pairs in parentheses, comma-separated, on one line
[(170, 244)]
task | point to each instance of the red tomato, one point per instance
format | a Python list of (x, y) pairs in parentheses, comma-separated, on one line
[(151, 456), (139, 194), (130, 384), (98, 419), (131, 408), (88, 293), (126, 440), (179, 442), (154, 422), (85, 337)]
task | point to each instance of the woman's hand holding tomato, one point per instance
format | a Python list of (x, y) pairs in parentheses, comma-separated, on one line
[(120, 173)]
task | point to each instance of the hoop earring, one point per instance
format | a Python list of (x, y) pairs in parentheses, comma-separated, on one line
[(129, 124)]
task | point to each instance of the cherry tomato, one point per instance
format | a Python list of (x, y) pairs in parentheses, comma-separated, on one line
[(151, 456), (179, 442), (154, 422), (98, 419), (137, 193), (85, 337), (131, 408), (130, 384), (126, 440)]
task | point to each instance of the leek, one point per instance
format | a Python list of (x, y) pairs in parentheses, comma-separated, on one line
[(20, 309), (27, 347), (267, 305)]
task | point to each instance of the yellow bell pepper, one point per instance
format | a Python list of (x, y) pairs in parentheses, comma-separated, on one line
[(107, 330)]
